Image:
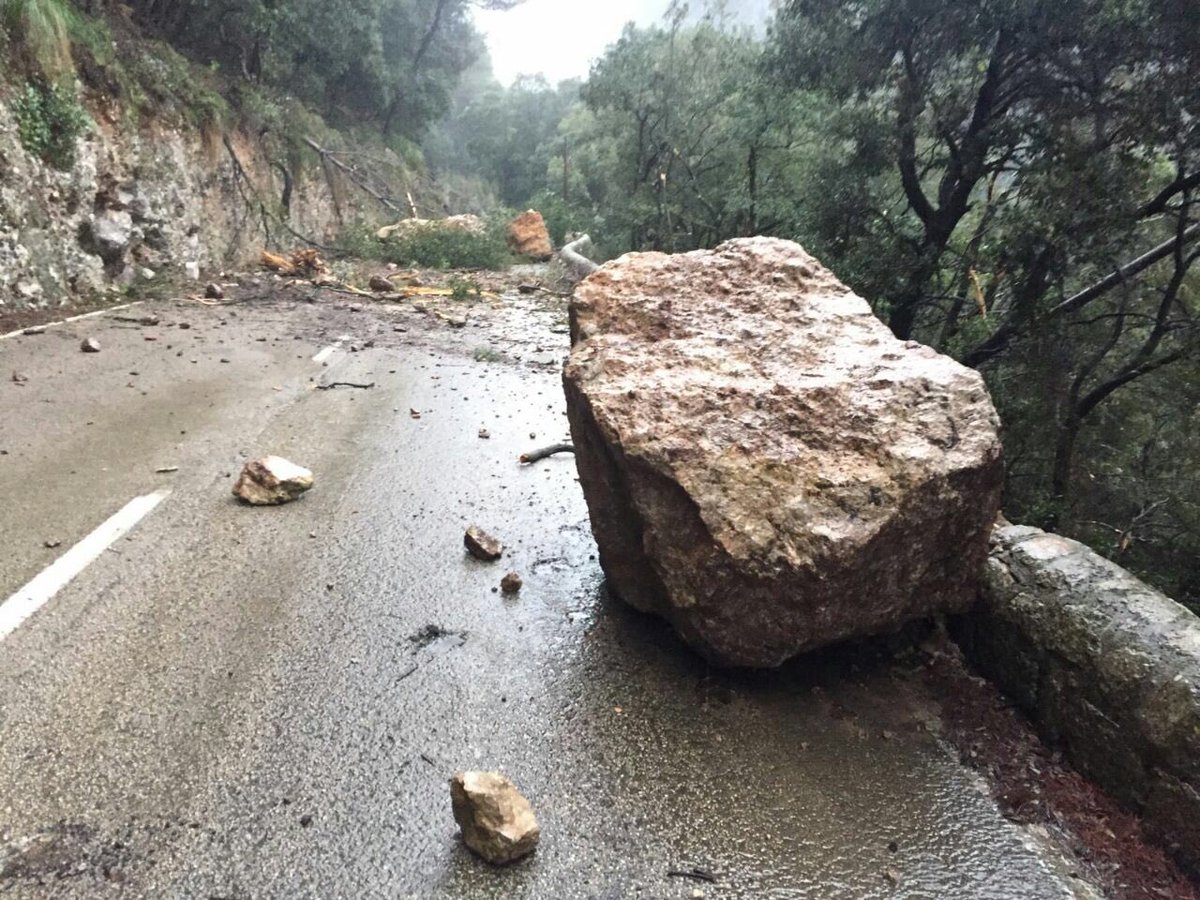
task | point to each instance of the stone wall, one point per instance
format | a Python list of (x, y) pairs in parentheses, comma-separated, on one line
[(1105, 666), (145, 198)]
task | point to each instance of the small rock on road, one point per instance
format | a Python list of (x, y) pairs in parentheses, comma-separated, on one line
[(272, 480), (482, 545), (497, 822)]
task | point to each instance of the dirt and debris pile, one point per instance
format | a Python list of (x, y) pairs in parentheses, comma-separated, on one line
[(765, 465), (305, 262), (528, 236), (271, 480), (497, 822)]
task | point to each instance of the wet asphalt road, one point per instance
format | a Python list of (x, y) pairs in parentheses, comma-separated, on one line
[(259, 703)]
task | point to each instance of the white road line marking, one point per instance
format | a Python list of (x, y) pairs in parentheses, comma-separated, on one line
[(88, 315), (324, 354), (29, 599)]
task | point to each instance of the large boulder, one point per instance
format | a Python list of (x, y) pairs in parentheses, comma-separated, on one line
[(528, 236), (765, 465), (110, 232)]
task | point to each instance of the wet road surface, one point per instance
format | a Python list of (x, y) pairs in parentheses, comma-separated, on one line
[(256, 703)]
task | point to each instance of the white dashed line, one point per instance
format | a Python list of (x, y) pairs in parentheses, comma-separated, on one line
[(88, 315), (329, 351), (29, 599)]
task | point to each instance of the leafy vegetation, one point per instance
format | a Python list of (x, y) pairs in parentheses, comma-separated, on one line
[(465, 289), (389, 64), (446, 248), (49, 122), (488, 354), (432, 246)]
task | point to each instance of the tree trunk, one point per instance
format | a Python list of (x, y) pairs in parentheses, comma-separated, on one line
[(566, 161), (1064, 461), (752, 178)]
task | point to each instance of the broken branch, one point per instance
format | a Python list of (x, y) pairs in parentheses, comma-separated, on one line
[(694, 874), (353, 176), (349, 384), (534, 455)]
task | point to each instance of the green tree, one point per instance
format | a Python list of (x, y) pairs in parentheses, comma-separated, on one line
[(1021, 158)]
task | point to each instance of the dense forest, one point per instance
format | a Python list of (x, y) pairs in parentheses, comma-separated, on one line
[(1013, 182)]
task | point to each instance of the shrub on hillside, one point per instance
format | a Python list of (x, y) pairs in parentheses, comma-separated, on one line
[(49, 122)]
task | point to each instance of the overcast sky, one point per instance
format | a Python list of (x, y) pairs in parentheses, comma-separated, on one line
[(560, 38)]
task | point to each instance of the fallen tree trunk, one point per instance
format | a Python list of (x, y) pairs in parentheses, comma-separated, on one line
[(572, 256)]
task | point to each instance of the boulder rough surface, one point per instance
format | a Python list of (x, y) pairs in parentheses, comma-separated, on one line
[(528, 236), (271, 480), (497, 822), (765, 465)]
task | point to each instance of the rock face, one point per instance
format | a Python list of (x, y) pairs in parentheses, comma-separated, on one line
[(272, 480), (111, 232), (765, 465), (496, 821), (142, 194), (527, 236)]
